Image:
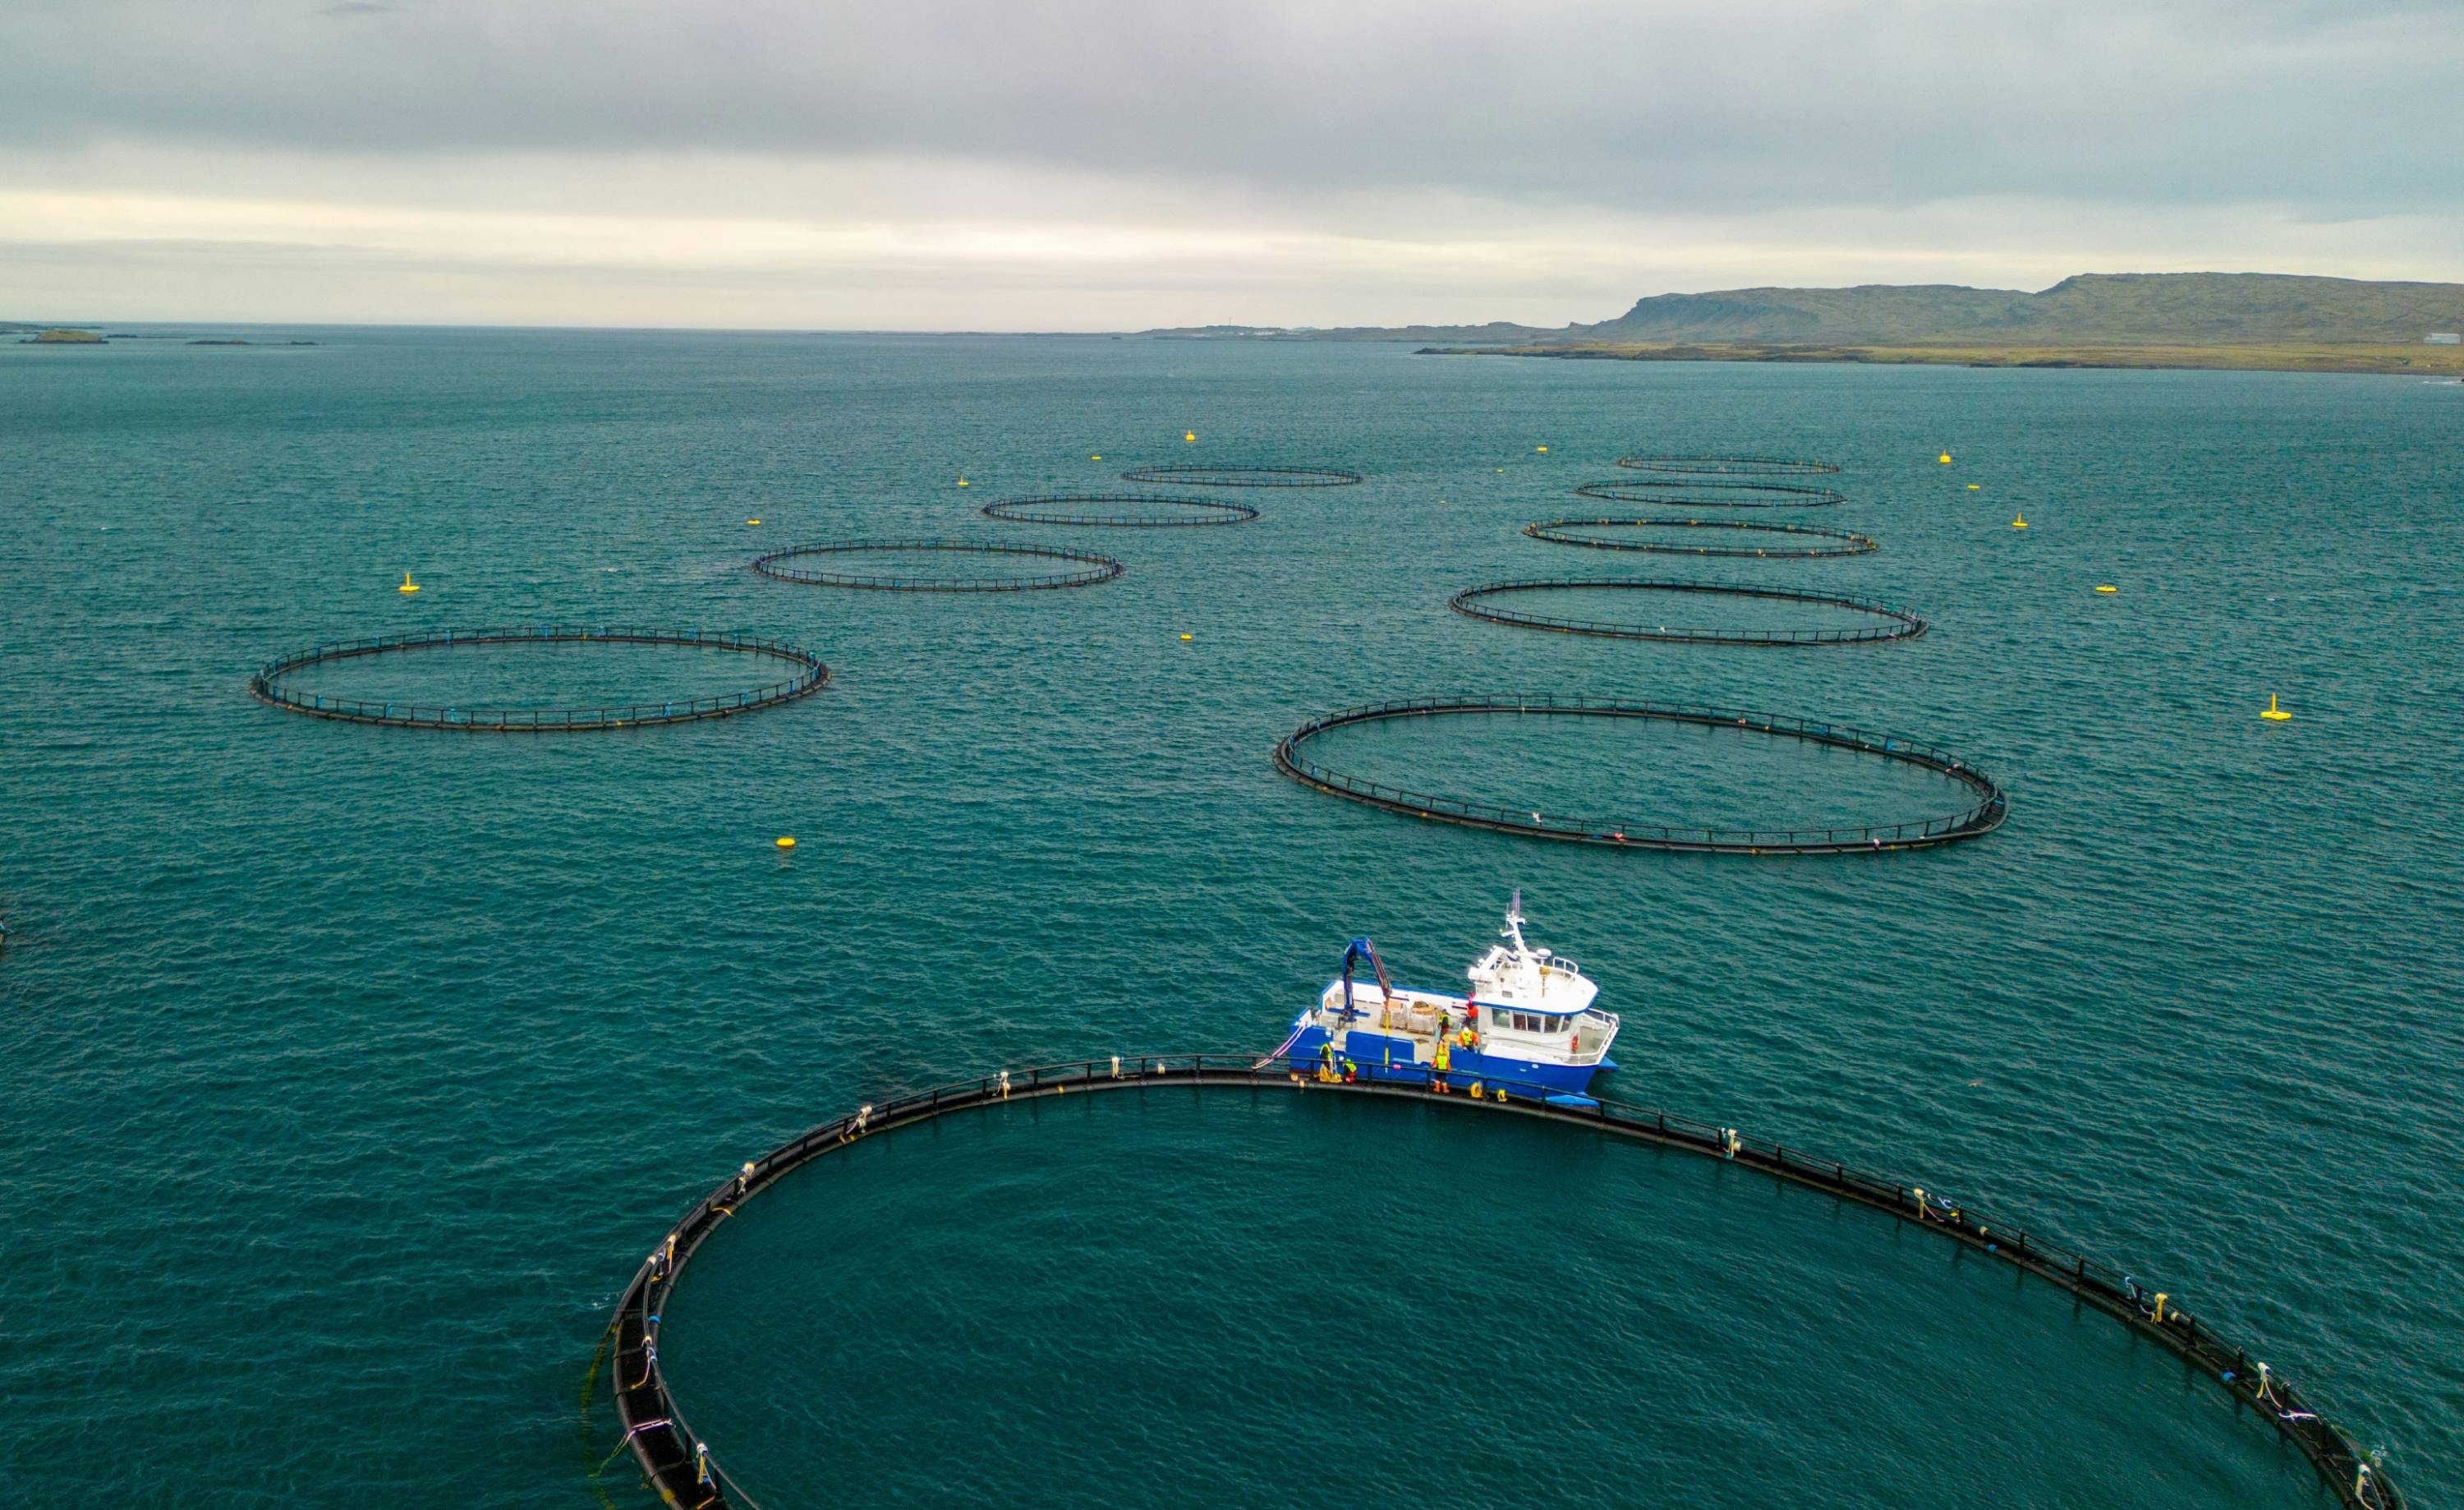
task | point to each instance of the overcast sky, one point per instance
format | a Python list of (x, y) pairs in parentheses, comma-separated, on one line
[(1051, 164)]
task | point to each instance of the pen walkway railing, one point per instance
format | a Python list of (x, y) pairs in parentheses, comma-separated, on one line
[(1091, 568), (1986, 814), (1560, 531), (1898, 623), (1056, 508), (677, 1463), (266, 686)]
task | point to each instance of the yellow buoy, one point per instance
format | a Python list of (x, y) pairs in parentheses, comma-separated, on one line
[(2274, 714), (2022, 522), (1973, 486), (786, 842), (1095, 458), (407, 586), (1946, 459), (1543, 449), (1189, 435), (962, 482), (1186, 637), (2102, 588), (753, 521)]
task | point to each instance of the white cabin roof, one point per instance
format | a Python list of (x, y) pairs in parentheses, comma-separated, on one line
[(1516, 975)]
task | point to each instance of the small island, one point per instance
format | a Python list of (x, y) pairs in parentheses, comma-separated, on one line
[(65, 336)]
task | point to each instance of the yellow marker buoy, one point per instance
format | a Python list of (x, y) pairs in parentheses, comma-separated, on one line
[(1094, 458), (962, 482), (2022, 522), (1973, 486), (1543, 449), (407, 586), (2274, 714), (1189, 435), (753, 521), (786, 842), (2102, 588), (1946, 459), (1186, 637)]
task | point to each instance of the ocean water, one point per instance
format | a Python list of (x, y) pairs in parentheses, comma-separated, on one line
[(350, 1071)]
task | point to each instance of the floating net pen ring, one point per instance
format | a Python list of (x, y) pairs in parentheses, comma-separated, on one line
[(1729, 466), (1292, 757), (1898, 623), (1193, 475), (1056, 509), (1677, 493), (1554, 531), (266, 686), (680, 1466), (1091, 567)]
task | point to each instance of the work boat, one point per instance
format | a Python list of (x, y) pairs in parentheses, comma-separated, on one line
[(1527, 1026)]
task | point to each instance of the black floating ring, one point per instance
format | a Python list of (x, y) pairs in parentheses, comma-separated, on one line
[(1093, 568), (1900, 624), (1677, 494), (1054, 509), (677, 1463), (812, 676), (1554, 530), (1730, 466), (1987, 814), (1198, 477)]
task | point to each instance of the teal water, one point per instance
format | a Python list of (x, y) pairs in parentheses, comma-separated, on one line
[(350, 1071)]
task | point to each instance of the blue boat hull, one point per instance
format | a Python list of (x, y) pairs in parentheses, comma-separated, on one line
[(1381, 1058)]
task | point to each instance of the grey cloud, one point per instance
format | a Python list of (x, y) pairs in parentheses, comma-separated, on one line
[(2331, 109)]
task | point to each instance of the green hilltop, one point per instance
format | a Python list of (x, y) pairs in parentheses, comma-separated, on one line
[(2180, 309)]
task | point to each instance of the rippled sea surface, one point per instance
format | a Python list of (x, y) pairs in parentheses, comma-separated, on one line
[(350, 1071)]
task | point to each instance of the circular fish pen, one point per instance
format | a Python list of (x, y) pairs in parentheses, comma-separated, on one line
[(1983, 816), (1714, 494), (1730, 466), (1557, 531), (1151, 512), (1898, 622), (1091, 568), (1200, 476), (266, 686), (680, 1465)]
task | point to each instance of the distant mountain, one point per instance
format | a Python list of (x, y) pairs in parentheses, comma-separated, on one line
[(2182, 309)]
